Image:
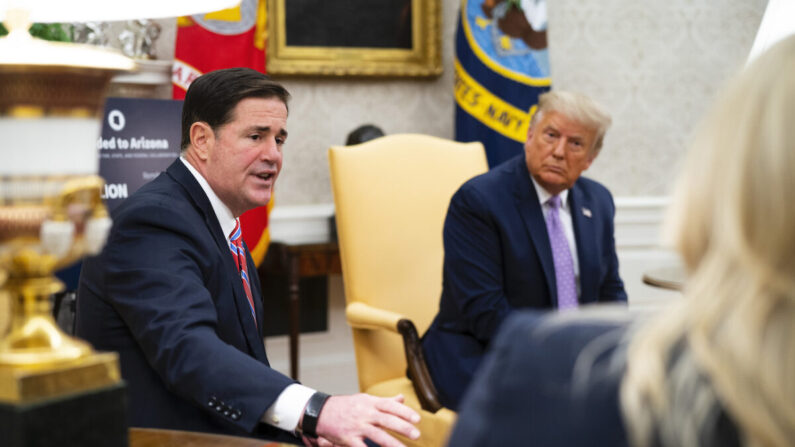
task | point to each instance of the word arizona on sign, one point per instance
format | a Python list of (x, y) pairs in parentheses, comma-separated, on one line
[(140, 138)]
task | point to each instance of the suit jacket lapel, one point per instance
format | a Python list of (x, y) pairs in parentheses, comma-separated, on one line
[(582, 220), (533, 217), (180, 173)]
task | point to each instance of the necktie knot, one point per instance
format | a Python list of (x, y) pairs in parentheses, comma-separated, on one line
[(236, 246), (234, 236)]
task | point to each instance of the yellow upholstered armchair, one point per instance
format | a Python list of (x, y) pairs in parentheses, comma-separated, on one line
[(391, 196)]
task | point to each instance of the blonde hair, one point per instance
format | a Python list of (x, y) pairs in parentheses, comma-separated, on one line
[(734, 225), (577, 107)]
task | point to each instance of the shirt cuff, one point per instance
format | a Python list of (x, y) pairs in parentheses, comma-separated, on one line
[(286, 411)]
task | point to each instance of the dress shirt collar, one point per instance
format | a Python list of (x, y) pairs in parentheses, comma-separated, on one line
[(222, 212), (544, 195)]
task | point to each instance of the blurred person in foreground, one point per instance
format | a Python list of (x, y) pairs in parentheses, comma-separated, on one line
[(176, 292), (716, 368), (532, 232)]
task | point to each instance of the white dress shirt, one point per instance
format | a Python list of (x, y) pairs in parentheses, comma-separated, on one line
[(565, 219), (286, 411)]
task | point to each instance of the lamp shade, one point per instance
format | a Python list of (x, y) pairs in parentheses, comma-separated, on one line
[(111, 10)]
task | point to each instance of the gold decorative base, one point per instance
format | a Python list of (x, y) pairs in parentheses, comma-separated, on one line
[(26, 384), (37, 359), (39, 341), (35, 339)]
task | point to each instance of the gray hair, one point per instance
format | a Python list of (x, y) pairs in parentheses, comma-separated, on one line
[(578, 107)]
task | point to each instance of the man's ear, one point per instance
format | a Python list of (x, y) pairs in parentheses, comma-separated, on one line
[(202, 139), (591, 157)]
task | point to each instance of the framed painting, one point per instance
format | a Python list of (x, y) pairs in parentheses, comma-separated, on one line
[(354, 37)]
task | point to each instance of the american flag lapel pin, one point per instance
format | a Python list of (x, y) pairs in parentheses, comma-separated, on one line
[(586, 212)]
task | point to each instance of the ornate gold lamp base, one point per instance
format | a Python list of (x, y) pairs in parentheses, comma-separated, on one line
[(54, 389), (37, 359)]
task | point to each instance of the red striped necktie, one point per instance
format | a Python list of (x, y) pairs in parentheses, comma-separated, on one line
[(239, 253)]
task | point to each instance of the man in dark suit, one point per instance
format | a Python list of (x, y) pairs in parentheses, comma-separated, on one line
[(529, 233), (171, 291), (549, 380)]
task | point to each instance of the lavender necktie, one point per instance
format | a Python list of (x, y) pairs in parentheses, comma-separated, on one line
[(561, 255)]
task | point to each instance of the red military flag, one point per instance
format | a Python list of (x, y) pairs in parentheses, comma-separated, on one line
[(233, 37)]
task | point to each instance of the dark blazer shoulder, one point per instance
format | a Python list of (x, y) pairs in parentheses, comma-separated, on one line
[(494, 185), (173, 196), (161, 190), (592, 194), (497, 176), (561, 385), (593, 189)]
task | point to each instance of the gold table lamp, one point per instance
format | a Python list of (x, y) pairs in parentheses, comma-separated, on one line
[(54, 388)]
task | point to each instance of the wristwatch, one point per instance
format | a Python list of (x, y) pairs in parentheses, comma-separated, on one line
[(312, 413)]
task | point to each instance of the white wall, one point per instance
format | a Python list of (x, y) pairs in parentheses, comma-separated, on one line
[(656, 65)]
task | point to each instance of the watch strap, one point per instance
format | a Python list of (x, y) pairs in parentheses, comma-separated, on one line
[(312, 413)]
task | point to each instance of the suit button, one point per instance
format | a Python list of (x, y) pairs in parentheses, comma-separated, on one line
[(235, 415), (226, 413), (219, 408)]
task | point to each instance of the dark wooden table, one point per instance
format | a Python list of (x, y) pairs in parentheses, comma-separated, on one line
[(671, 278), (150, 437), (301, 260)]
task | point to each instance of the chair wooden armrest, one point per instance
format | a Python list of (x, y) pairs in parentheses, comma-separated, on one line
[(363, 316)]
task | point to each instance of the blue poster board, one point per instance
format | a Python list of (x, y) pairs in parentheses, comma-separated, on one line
[(140, 138)]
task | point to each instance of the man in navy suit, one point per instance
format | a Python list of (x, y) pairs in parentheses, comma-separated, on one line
[(549, 380), (529, 233), (171, 291)]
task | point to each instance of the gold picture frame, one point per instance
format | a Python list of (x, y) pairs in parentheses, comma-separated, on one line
[(422, 59)]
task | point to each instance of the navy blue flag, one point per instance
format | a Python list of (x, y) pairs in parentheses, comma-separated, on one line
[(501, 67)]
